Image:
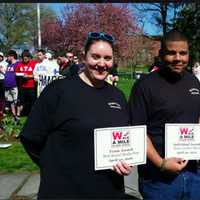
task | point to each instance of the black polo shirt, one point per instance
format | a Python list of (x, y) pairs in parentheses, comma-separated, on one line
[(59, 137), (160, 98)]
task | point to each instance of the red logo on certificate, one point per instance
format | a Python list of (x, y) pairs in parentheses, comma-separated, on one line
[(120, 138), (186, 134)]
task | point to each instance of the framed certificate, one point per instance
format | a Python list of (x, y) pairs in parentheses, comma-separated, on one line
[(119, 143), (182, 141)]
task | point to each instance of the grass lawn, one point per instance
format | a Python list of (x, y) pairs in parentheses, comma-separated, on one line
[(125, 85), (15, 159)]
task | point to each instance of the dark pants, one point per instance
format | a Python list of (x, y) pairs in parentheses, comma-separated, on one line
[(186, 186), (26, 98)]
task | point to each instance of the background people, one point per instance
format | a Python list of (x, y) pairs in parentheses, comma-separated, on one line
[(26, 83), (165, 96), (156, 65), (3, 66), (70, 57), (52, 65), (113, 77), (40, 67), (196, 70), (44, 70), (63, 63), (59, 133), (10, 83)]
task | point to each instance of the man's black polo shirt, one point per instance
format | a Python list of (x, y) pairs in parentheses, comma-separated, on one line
[(161, 98)]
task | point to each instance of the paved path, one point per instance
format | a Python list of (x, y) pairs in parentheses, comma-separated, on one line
[(24, 186)]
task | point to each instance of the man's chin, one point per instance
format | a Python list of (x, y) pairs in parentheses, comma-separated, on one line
[(176, 75), (177, 71), (171, 74)]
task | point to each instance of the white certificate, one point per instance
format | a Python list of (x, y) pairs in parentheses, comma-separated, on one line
[(182, 141), (126, 143)]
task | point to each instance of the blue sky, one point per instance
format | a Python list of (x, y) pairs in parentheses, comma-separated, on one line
[(148, 27)]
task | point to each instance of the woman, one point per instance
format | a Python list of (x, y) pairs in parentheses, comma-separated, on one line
[(59, 134)]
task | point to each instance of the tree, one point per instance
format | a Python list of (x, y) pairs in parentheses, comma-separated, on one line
[(161, 12), (188, 22), (52, 36), (78, 20), (18, 24)]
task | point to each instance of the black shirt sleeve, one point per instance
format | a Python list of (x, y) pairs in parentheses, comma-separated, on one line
[(138, 105), (39, 123)]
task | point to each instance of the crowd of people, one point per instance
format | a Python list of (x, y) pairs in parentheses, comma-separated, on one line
[(22, 78), (59, 132)]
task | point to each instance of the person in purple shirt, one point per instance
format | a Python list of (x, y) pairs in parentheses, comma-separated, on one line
[(10, 84)]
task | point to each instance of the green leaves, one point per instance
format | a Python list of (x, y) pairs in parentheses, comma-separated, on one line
[(19, 23), (188, 22), (11, 127)]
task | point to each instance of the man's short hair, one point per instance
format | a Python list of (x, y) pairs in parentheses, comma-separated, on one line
[(42, 51), (13, 53), (172, 35)]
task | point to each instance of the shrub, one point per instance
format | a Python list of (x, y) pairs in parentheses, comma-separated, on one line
[(11, 127)]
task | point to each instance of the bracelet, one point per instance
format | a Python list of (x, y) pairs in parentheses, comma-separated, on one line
[(162, 166)]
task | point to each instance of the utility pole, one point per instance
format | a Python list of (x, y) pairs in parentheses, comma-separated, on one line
[(38, 25)]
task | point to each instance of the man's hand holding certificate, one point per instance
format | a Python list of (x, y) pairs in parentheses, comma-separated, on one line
[(182, 141), (119, 143)]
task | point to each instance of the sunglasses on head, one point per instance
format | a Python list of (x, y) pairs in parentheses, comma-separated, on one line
[(101, 35)]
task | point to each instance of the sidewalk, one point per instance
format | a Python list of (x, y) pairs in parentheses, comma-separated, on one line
[(24, 186)]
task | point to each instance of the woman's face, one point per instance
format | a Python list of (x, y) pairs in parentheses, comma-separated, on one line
[(98, 60), (25, 59)]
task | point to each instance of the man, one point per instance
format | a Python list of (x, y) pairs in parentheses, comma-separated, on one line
[(63, 63), (113, 77), (40, 67), (11, 90), (72, 66), (27, 87), (46, 65), (3, 66), (165, 96), (70, 56), (76, 60), (52, 65), (44, 70)]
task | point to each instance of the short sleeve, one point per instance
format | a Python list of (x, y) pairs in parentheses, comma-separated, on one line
[(138, 104)]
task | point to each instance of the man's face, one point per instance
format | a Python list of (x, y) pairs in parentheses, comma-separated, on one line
[(40, 56), (69, 56), (10, 58), (176, 55)]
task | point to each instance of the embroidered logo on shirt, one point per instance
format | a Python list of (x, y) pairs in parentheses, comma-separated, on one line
[(114, 105), (194, 91)]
